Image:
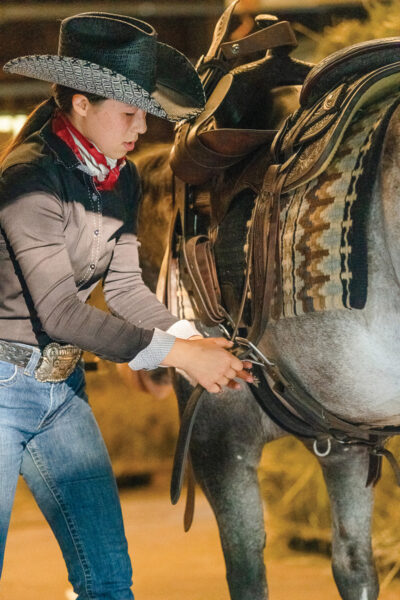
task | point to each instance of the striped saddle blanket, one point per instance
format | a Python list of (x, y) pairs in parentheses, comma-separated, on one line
[(323, 244)]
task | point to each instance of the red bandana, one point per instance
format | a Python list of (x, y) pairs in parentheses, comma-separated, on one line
[(63, 128)]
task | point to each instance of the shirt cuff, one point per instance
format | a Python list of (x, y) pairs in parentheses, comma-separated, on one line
[(183, 329), (151, 356)]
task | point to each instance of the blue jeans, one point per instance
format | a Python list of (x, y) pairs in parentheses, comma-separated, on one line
[(48, 434)]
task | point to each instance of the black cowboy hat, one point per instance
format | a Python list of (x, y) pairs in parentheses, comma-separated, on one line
[(120, 58)]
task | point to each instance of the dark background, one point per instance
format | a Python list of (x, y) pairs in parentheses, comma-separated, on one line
[(32, 28)]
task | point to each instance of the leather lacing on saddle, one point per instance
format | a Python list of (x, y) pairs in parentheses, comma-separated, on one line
[(302, 148)]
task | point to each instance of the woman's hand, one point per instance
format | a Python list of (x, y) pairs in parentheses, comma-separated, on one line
[(208, 363)]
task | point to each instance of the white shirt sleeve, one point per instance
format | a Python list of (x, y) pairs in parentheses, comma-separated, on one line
[(162, 341)]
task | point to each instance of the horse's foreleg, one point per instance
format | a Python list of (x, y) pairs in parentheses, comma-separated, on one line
[(226, 445), (227, 472), (345, 471)]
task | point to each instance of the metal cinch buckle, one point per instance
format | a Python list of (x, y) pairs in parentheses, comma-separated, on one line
[(254, 352), (250, 352), (57, 362)]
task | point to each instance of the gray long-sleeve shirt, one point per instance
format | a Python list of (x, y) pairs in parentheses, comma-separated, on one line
[(58, 237)]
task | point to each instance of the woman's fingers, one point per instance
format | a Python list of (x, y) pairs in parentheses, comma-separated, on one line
[(220, 341), (214, 388), (233, 385), (209, 362), (235, 368), (231, 373), (222, 381), (236, 363), (245, 375)]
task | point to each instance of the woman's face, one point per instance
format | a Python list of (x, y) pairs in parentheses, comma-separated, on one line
[(113, 126)]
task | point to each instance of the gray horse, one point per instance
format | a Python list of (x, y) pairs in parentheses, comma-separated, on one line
[(349, 360)]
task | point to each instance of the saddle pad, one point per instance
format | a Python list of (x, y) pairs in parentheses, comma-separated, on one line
[(323, 223)]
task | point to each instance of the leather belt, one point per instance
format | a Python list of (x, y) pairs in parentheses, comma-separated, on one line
[(55, 364)]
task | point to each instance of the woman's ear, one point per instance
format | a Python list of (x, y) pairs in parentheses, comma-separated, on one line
[(80, 104)]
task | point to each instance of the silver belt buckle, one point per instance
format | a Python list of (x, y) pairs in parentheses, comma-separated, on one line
[(57, 362)]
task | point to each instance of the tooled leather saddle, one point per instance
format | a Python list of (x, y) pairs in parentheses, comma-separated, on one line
[(306, 142), (263, 160)]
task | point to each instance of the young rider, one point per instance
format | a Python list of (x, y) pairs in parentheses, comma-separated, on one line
[(68, 206)]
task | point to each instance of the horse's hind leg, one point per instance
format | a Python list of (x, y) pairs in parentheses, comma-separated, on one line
[(345, 471), (226, 445)]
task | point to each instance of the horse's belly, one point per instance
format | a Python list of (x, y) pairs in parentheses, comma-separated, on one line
[(349, 364)]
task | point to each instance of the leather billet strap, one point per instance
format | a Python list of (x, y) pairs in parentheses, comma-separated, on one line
[(266, 255), (374, 469), (182, 445), (380, 452), (190, 497), (203, 284)]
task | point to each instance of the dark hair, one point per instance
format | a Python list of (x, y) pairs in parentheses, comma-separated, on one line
[(61, 98)]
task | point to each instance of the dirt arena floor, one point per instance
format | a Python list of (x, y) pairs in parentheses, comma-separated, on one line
[(168, 564)]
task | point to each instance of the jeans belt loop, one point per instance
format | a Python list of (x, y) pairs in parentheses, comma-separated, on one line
[(33, 361)]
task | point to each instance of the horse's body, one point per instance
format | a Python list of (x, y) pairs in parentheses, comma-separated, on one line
[(350, 361)]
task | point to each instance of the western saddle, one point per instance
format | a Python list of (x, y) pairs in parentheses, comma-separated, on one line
[(241, 140)]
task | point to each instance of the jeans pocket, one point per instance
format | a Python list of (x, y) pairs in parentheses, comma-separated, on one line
[(8, 373)]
